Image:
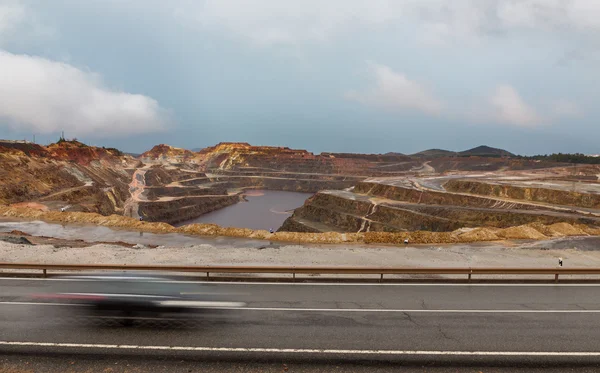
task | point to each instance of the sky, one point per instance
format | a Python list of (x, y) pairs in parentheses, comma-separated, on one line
[(364, 76)]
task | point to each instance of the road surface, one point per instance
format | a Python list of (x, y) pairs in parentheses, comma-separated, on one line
[(321, 326)]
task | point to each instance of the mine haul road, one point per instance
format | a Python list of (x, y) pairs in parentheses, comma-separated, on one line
[(358, 327)]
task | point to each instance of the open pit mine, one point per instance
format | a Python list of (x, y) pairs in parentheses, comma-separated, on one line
[(480, 194)]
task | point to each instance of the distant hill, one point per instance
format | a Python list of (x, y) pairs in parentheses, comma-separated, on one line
[(486, 151), (568, 158), (196, 150), (167, 153), (434, 153), (395, 154)]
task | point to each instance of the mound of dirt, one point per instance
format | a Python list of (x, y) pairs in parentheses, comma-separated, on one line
[(412, 237), (592, 231), (566, 229), (327, 237), (521, 232), (534, 231), (478, 234), (18, 233), (16, 240)]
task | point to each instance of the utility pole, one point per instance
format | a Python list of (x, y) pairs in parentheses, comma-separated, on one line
[(34, 139)]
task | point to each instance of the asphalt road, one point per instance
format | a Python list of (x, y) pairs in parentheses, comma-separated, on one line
[(322, 326)]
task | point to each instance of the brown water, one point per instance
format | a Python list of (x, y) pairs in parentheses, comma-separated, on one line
[(264, 209)]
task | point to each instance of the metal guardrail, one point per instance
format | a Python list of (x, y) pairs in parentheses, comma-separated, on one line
[(294, 270)]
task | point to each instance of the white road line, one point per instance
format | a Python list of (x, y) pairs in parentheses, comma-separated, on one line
[(41, 304), (248, 283), (367, 310), (299, 350), (336, 310)]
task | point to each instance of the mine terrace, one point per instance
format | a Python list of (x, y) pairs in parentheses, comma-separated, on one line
[(479, 194)]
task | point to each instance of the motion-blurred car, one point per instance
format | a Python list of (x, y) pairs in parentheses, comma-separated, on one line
[(130, 297)]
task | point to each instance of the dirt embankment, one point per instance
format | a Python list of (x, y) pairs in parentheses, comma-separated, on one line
[(185, 208), (545, 195), (376, 207), (68, 173), (156, 193), (288, 175), (87, 188), (530, 231), (297, 184), (24, 179), (430, 197)]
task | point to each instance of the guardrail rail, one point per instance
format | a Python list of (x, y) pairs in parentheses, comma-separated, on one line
[(469, 272)]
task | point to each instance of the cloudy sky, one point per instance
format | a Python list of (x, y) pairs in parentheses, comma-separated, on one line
[(324, 75)]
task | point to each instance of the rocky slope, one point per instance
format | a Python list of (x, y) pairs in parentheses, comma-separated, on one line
[(68, 173), (163, 153), (171, 185), (446, 204)]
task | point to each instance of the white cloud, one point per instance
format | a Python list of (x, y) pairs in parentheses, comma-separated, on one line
[(395, 91), (11, 15), (20, 25), (550, 14), (510, 108), (268, 22), (44, 96), (272, 22)]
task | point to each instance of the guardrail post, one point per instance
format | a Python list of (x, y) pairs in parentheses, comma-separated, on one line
[(44, 273), (294, 276), (556, 277), (381, 278), (207, 274), (470, 273)]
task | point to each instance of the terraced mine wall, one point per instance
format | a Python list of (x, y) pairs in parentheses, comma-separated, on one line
[(159, 176), (373, 207), (155, 193), (105, 201), (32, 183), (552, 196), (172, 195), (182, 209), (449, 218), (290, 175), (283, 184), (90, 188), (196, 181), (479, 164), (406, 194)]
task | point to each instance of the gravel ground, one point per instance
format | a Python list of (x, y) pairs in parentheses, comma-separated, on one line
[(575, 253)]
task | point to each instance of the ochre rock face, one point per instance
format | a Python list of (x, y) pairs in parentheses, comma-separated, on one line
[(167, 153), (73, 151), (243, 156), (449, 203), (66, 173), (377, 197), (83, 154)]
